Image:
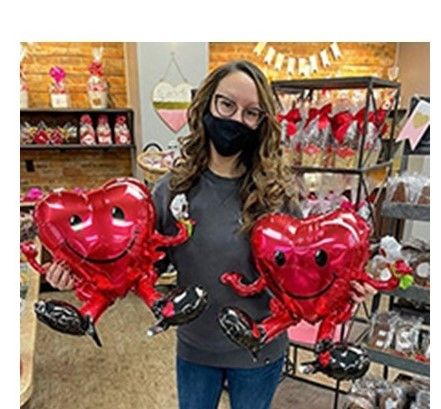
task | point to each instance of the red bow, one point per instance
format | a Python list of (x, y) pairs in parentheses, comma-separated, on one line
[(323, 115), (96, 68), (292, 117), (340, 125)]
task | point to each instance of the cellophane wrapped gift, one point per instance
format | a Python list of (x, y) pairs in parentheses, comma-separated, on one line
[(103, 131), (42, 134), (315, 138), (345, 137), (97, 87), (58, 93), (291, 123), (375, 128), (27, 132), (69, 133), (87, 133), (121, 131)]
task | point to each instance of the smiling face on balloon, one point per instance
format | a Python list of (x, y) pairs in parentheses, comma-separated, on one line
[(303, 258), (100, 227)]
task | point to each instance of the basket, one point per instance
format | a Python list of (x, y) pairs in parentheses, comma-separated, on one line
[(153, 163)]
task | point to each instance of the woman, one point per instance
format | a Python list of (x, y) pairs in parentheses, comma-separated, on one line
[(231, 172)]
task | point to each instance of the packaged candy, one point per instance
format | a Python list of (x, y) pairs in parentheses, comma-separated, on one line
[(87, 133), (121, 131), (103, 131), (316, 138), (406, 335), (57, 90), (344, 127), (392, 397), (97, 88), (27, 133), (382, 329), (42, 134), (69, 133)]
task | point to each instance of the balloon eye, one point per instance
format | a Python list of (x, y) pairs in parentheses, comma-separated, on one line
[(279, 258), (117, 213), (321, 258), (75, 220)]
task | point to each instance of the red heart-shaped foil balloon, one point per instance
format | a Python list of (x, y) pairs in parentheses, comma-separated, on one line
[(100, 231)]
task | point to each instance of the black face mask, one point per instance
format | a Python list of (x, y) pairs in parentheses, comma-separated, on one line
[(229, 137)]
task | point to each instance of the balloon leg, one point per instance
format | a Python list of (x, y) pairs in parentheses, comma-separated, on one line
[(66, 318), (244, 331), (179, 307)]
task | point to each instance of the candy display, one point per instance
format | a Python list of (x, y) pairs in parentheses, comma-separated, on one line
[(103, 131), (400, 334), (42, 134), (405, 392), (108, 239), (121, 131), (58, 93), (308, 265), (97, 87), (408, 188), (325, 129)]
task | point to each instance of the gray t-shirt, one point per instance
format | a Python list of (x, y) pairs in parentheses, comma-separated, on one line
[(215, 247)]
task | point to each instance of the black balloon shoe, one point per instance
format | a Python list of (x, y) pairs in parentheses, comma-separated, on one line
[(178, 307), (66, 318), (242, 330)]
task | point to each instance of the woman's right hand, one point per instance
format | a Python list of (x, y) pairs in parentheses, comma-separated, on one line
[(59, 275)]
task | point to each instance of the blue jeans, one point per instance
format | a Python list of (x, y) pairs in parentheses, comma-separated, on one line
[(200, 386)]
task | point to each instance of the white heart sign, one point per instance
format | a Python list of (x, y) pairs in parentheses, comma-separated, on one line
[(171, 103)]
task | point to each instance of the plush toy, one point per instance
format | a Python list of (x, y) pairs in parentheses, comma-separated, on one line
[(307, 264), (108, 239)]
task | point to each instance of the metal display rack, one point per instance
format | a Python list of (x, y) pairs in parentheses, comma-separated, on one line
[(303, 87), (401, 212)]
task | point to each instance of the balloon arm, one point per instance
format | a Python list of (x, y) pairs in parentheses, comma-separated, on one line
[(235, 280), (391, 284), (179, 238), (30, 251)]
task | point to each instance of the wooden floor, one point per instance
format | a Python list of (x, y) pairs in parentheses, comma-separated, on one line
[(130, 371)]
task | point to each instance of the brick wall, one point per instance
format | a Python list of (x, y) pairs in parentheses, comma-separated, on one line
[(53, 168), (69, 169), (74, 58), (358, 59)]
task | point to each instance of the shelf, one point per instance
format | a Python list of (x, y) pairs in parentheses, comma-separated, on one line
[(422, 149), (396, 361), (354, 171), (75, 147), (414, 293), (334, 83), (74, 110), (406, 211)]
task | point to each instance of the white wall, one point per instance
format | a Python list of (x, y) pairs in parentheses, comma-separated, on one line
[(153, 59)]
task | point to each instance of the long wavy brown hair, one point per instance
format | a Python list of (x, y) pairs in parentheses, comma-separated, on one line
[(267, 185)]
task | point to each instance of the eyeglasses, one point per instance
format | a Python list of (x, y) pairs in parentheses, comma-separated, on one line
[(226, 108)]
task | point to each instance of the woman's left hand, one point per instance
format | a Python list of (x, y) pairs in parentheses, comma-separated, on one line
[(362, 290)]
